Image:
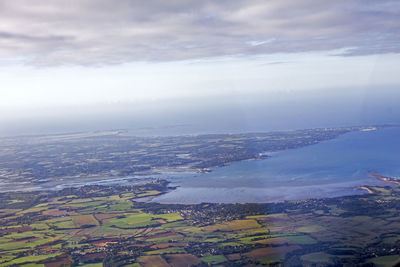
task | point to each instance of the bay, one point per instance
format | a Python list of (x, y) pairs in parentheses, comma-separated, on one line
[(328, 169)]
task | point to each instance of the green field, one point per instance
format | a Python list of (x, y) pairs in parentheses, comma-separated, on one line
[(214, 258)]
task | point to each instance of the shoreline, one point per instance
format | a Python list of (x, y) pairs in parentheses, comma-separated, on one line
[(369, 191), (384, 178)]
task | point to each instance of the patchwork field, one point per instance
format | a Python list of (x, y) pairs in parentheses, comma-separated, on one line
[(104, 226)]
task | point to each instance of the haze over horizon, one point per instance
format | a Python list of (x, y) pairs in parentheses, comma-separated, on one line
[(226, 65)]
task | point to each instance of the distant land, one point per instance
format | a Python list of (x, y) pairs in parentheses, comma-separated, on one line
[(33, 162)]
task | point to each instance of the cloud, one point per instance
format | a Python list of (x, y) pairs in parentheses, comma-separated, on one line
[(102, 32)]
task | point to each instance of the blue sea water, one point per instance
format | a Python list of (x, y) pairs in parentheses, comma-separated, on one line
[(328, 169)]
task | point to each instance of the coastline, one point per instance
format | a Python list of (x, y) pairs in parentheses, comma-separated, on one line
[(384, 178)]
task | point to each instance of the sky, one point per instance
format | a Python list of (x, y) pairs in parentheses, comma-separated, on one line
[(88, 58)]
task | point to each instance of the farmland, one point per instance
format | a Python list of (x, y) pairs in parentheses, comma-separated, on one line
[(105, 225)]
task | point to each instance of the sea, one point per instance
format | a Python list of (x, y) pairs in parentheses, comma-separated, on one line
[(332, 168)]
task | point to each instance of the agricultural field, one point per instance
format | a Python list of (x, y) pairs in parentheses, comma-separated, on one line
[(106, 226)]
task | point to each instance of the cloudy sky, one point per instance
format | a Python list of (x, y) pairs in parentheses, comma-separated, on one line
[(72, 53)]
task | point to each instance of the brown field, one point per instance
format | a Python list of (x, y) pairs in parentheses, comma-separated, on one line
[(104, 216), (82, 220), (272, 251), (182, 260), (16, 230), (233, 256), (65, 261), (153, 261), (94, 255), (167, 245), (58, 212), (48, 250), (274, 241), (83, 231)]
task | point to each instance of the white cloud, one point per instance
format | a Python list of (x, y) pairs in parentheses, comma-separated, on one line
[(101, 32), (27, 87)]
